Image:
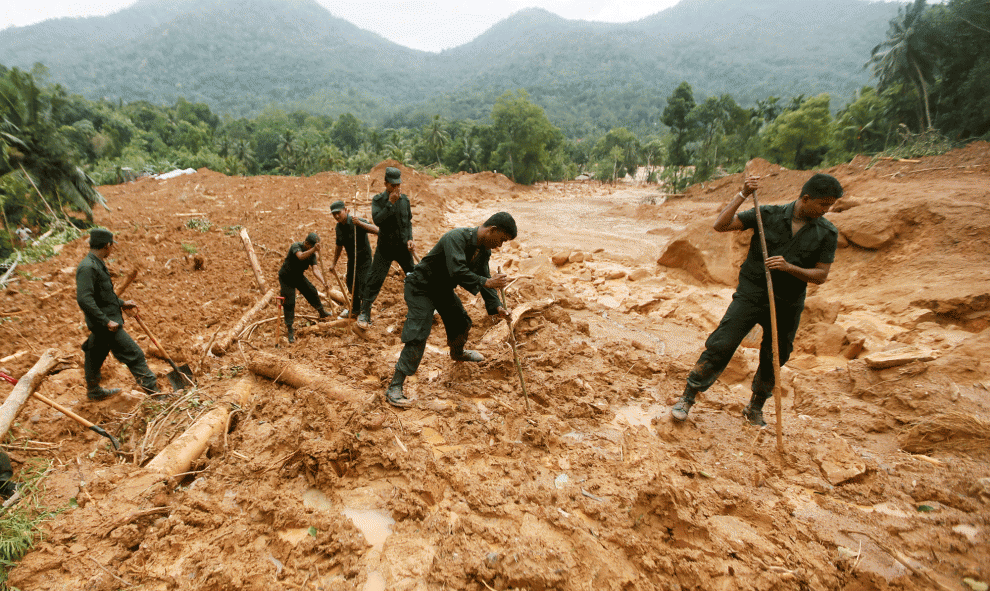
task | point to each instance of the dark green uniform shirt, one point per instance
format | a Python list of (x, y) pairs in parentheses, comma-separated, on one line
[(394, 220), (345, 238), (95, 294), (294, 267), (457, 259), (814, 243)]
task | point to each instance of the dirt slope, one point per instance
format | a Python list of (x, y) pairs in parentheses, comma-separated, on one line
[(884, 485)]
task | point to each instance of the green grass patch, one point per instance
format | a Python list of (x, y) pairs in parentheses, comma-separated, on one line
[(20, 525)]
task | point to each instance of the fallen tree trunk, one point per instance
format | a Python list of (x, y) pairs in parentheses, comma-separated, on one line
[(28, 383), (297, 375), (253, 258), (221, 346)]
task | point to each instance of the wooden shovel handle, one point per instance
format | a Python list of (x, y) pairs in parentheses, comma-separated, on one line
[(152, 337)]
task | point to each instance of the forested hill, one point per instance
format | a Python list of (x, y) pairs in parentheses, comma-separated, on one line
[(239, 56)]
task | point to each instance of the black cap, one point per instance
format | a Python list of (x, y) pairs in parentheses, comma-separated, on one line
[(337, 206), (100, 237), (393, 175), (312, 238)]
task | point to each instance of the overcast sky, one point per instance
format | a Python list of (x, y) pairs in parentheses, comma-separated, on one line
[(430, 25)]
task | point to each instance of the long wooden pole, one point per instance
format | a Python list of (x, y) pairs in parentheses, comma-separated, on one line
[(221, 346), (515, 355), (253, 258), (28, 383), (773, 329)]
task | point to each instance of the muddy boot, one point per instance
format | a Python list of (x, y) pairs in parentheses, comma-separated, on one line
[(345, 313), (291, 335), (754, 410), (96, 393), (683, 406), (323, 313), (394, 395), (457, 351)]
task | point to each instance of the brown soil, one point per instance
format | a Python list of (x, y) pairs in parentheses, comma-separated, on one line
[(595, 487)]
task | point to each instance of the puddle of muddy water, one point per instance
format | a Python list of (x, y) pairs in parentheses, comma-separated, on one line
[(635, 415)]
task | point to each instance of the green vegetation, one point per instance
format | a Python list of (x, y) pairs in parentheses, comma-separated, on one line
[(19, 525), (930, 96)]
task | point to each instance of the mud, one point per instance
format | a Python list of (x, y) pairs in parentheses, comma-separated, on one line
[(595, 487)]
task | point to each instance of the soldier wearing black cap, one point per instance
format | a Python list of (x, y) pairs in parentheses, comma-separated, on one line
[(301, 256), (392, 214), (104, 317), (347, 225), (459, 258)]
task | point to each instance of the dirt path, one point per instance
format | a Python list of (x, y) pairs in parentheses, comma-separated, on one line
[(319, 485)]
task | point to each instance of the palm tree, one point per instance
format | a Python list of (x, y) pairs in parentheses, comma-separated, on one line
[(34, 148), (437, 137), (907, 54)]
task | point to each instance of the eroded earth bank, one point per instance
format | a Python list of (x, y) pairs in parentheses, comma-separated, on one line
[(311, 482)]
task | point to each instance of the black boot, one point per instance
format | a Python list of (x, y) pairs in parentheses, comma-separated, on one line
[(683, 406), (291, 334), (96, 393), (323, 313), (394, 395), (457, 351), (754, 410)]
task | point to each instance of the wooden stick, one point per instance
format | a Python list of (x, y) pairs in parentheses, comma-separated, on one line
[(221, 346), (254, 260), (28, 383), (127, 281), (162, 350), (209, 346), (343, 286), (46, 297), (515, 355), (773, 329)]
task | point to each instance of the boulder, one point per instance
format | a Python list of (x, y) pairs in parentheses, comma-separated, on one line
[(818, 309), (538, 266), (639, 275), (560, 258), (576, 257)]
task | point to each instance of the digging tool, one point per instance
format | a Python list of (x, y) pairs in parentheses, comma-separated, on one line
[(179, 376), (323, 272), (773, 330), (68, 413), (343, 287), (278, 319), (515, 355)]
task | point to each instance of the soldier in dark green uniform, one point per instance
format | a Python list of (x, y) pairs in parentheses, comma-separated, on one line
[(7, 486), (291, 276), (103, 311), (801, 247), (358, 263), (392, 213), (459, 258)]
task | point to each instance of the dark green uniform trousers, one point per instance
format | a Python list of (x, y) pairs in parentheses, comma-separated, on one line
[(380, 265), (287, 289), (745, 312), (421, 301), (6, 473), (102, 342)]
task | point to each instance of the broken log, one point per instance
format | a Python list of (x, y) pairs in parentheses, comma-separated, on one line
[(17, 355), (28, 383), (297, 375), (221, 346), (253, 258)]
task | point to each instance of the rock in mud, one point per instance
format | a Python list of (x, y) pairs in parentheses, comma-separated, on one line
[(838, 461), (896, 357)]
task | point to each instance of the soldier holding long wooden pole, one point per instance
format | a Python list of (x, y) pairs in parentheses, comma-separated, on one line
[(352, 235), (800, 248)]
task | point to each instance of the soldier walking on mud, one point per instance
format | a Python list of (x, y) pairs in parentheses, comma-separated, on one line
[(459, 258), (104, 317), (357, 263), (291, 277), (801, 247), (391, 212)]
